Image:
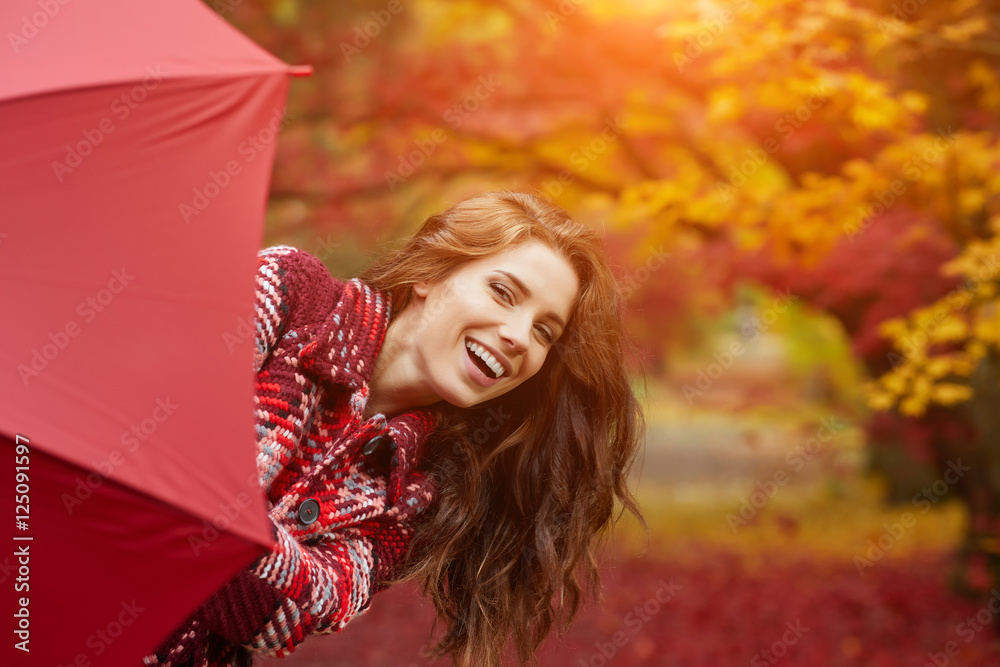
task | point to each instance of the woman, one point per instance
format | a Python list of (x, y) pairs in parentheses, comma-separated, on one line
[(458, 416)]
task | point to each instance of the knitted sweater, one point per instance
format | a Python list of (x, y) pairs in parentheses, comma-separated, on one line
[(343, 492)]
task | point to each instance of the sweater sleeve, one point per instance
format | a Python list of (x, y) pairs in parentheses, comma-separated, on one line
[(289, 282), (273, 300), (301, 588)]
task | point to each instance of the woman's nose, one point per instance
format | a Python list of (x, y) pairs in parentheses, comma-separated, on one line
[(515, 337)]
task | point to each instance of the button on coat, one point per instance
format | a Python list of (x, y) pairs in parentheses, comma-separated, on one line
[(373, 444), (308, 511)]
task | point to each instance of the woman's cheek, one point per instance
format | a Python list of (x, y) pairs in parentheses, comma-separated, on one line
[(531, 366)]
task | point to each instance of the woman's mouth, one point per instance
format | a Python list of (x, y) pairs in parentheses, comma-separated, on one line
[(483, 367)]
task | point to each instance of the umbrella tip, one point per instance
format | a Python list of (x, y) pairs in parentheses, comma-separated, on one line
[(300, 70)]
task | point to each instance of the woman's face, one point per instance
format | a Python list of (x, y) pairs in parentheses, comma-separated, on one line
[(499, 313)]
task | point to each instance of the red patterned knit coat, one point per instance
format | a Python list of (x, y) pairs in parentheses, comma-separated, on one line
[(344, 492)]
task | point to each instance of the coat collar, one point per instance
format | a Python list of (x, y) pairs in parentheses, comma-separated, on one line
[(344, 348), (343, 352)]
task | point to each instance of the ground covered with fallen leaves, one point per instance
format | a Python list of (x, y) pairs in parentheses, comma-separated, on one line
[(813, 581)]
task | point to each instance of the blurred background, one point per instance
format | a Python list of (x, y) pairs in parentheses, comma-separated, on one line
[(802, 202)]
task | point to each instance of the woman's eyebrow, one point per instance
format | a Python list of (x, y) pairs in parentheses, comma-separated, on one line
[(527, 292)]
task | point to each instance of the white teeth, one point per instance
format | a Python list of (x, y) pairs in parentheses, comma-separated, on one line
[(490, 360)]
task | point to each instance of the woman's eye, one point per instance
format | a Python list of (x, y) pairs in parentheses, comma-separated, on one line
[(503, 291), (546, 334)]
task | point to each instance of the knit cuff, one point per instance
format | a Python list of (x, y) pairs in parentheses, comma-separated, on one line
[(239, 610), (192, 644)]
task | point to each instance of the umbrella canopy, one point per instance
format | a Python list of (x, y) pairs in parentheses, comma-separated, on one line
[(137, 143)]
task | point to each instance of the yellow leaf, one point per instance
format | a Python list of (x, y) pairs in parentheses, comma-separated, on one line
[(913, 101), (938, 366), (880, 400), (894, 383), (976, 349), (922, 387), (964, 364), (982, 76), (930, 317), (955, 266), (986, 330), (916, 354), (951, 328), (971, 201), (873, 116), (963, 30), (894, 328), (913, 406), (948, 393), (725, 103)]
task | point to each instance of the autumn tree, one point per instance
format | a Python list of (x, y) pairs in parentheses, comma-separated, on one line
[(846, 150)]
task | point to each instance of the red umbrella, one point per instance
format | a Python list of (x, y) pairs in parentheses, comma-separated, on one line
[(137, 143)]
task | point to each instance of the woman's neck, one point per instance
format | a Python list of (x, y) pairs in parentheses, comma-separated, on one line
[(396, 385)]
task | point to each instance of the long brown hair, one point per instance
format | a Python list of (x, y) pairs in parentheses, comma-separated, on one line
[(528, 480)]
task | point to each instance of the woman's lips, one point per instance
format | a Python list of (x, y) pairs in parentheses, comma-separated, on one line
[(475, 373)]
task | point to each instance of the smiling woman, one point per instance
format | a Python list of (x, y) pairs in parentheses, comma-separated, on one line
[(491, 331), (459, 416), (518, 513)]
